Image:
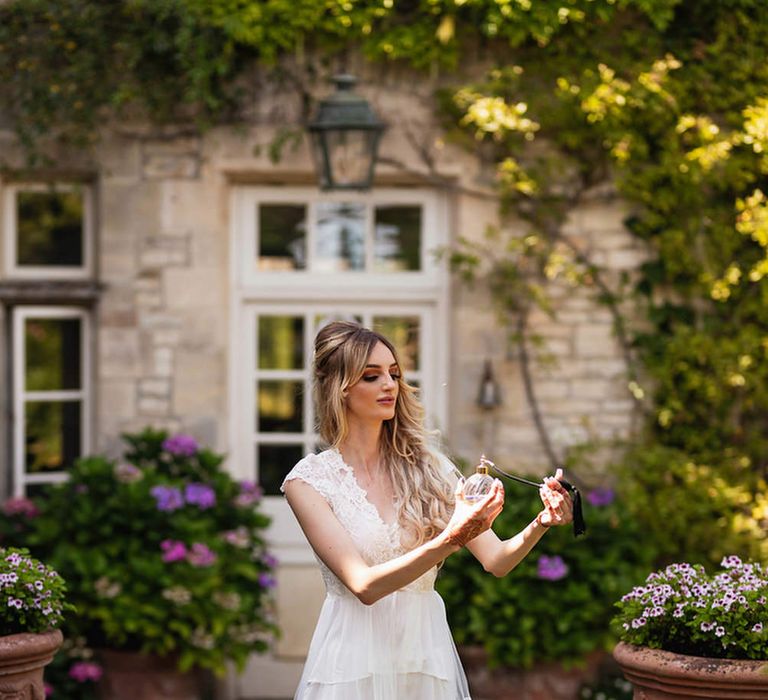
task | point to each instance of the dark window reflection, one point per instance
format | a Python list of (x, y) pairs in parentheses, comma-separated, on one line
[(282, 237), (51, 434), (397, 243), (280, 342), (49, 229), (275, 461), (403, 331), (53, 354), (280, 406)]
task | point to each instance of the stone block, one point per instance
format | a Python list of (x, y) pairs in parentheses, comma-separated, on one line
[(595, 340), (195, 289), (158, 252), (118, 353), (591, 389), (198, 379), (152, 407), (625, 259), (155, 388), (162, 362), (551, 389)]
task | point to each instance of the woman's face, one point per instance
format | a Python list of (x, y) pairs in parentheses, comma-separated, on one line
[(374, 396)]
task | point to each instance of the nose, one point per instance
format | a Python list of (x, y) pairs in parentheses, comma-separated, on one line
[(389, 381)]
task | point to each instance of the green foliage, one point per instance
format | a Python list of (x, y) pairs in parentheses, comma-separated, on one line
[(531, 615), (163, 552), (66, 65)]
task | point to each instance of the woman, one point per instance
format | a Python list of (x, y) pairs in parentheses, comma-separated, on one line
[(382, 510)]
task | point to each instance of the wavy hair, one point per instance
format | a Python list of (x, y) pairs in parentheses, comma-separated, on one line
[(422, 489)]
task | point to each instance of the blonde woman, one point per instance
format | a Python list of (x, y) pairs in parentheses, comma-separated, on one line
[(382, 510)]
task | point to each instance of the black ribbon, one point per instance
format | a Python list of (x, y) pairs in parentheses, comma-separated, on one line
[(579, 526)]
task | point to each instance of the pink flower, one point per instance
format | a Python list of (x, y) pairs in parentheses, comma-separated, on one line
[(201, 555), (83, 671), (20, 506), (173, 550)]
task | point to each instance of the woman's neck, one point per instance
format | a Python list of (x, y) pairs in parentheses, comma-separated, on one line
[(361, 445)]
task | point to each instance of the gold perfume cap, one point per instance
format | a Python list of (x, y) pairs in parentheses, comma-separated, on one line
[(481, 469)]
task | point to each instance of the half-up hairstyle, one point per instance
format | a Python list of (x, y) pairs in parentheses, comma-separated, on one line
[(422, 489)]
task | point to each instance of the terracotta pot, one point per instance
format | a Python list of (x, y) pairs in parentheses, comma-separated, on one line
[(545, 681), (22, 660), (130, 675), (663, 675)]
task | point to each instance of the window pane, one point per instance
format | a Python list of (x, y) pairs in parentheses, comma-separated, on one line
[(397, 244), (280, 406), (281, 342), (50, 228), (403, 332), (275, 461), (340, 243), (51, 434), (52, 348), (282, 237)]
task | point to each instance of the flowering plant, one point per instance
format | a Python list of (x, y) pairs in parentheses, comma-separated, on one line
[(32, 595), (162, 551), (685, 610)]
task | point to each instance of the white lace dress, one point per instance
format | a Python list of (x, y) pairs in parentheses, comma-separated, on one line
[(399, 648)]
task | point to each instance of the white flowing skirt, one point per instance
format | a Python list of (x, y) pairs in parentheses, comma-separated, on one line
[(399, 648)]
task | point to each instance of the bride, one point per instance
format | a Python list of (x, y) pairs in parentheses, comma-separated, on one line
[(382, 510)]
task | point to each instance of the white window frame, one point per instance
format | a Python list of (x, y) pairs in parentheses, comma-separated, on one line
[(404, 284), (10, 227), (20, 315)]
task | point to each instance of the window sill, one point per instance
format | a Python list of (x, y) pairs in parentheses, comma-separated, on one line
[(85, 292)]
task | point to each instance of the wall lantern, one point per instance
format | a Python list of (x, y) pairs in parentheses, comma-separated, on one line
[(345, 137), (488, 395)]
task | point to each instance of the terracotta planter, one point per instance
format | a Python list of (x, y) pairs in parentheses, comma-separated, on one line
[(132, 676), (22, 660), (663, 675), (545, 681)]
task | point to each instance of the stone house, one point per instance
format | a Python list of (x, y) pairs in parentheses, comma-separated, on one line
[(176, 279)]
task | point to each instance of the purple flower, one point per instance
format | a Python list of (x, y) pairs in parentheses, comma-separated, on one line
[(267, 580), (200, 495), (269, 560), (250, 493), (173, 550), (83, 671), (601, 497), (168, 498), (20, 506), (48, 688), (201, 555), (181, 445), (552, 568), (238, 537)]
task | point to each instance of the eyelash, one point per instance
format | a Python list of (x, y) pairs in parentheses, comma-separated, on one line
[(374, 377)]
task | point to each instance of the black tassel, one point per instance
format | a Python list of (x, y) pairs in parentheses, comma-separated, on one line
[(579, 525)]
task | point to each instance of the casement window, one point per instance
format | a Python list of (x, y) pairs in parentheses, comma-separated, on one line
[(301, 257), (47, 290)]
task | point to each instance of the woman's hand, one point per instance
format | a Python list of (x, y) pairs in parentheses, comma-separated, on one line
[(471, 519), (558, 505)]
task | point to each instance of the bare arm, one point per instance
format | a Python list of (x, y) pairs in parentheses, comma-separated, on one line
[(333, 545), (499, 557)]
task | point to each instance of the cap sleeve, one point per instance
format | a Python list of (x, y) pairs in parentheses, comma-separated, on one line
[(312, 470)]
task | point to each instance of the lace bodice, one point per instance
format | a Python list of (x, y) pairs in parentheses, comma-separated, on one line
[(376, 540)]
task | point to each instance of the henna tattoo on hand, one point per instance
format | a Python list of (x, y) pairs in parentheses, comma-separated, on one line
[(466, 532)]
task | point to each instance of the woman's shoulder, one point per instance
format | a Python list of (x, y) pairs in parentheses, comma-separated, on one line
[(315, 469)]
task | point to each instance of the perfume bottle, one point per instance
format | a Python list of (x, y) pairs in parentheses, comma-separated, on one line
[(479, 484)]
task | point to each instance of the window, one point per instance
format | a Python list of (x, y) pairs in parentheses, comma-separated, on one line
[(51, 405), (301, 257), (47, 231), (46, 288)]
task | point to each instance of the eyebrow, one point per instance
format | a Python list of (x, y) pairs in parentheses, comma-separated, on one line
[(394, 364)]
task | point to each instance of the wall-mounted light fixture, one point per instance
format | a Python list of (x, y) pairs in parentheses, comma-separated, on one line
[(489, 394), (345, 135)]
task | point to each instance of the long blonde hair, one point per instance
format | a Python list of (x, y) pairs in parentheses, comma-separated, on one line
[(421, 487)]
